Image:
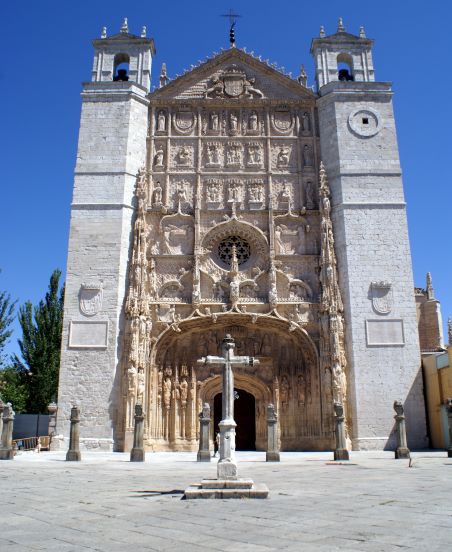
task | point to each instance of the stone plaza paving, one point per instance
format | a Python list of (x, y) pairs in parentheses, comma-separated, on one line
[(106, 503)]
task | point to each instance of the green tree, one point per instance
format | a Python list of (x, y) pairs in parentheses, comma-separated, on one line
[(40, 346), (6, 319), (13, 388)]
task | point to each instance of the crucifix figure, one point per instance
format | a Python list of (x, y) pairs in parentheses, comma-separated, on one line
[(227, 467)]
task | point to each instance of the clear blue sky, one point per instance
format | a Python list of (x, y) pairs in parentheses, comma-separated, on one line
[(47, 53)]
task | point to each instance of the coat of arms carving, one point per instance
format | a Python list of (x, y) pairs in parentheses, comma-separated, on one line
[(184, 121), (381, 293), (232, 83), (90, 298)]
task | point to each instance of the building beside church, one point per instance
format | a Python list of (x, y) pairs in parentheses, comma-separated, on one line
[(236, 199)]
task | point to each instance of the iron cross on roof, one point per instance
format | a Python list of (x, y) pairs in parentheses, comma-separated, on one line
[(232, 21)]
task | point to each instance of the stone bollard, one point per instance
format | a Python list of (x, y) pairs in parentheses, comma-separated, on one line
[(402, 450), (137, 453), (204, 427), (52, 408), (6, 447), (73, 454), (340, 452), (272, 454), (449, 419)]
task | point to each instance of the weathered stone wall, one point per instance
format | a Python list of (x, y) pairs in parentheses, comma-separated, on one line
[(112, 145), (374, 261)]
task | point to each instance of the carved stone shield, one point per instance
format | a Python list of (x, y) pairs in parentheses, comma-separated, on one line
[(90, 301), (283, 120), (184, 121), (234, 85), (382, 297)]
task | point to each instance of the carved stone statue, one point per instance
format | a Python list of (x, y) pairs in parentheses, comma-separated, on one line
[(214, 121), (283, 156), (158, 194), (305, 122), (307, 156), (159, 156), (183, 156), (233, 122), (253, 121), (213, 155), (310, 200), (161, 121)]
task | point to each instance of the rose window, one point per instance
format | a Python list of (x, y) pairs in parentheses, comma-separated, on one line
[(242, 250)]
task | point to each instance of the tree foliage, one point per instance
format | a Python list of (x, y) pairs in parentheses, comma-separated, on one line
[(40, 346), (6, 319), (13, 388)]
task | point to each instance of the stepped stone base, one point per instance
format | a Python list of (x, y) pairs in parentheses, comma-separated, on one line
[(226, 488)]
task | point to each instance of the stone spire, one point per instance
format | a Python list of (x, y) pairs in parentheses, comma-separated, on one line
[(104, 32), (143, 31), (340, 26), (303, 77), (332, 347), (163, 76), (449, 331), (362, 32), (322, 33), (430, 290), (125, 26)]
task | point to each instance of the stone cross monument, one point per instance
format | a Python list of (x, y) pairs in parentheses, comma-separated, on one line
[(402, 450), (227, 466)]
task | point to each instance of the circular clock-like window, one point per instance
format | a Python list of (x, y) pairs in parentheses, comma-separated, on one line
[(365, 122), (242, 250)]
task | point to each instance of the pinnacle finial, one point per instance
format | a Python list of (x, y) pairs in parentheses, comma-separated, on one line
[(340, 26), (303, 77), (322, 33), (163, 76), (449, 331), (362, 32), (104, 32), (430, 290), (143, 31), (125, 26)]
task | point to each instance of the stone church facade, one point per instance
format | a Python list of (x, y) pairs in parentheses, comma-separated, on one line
[(235, 199)]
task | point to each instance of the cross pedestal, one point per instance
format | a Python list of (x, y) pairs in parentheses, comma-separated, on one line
[(227, 485)]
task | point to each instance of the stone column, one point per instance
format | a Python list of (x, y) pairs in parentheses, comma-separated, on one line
[(449, 419), (137, 453), (272, 454), (204, 434), (340, 452), (52, 408), (6, 448), (227, 466), (73, 454), (402, 450)]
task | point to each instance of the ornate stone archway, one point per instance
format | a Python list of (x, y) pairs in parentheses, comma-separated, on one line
[(288, 376)]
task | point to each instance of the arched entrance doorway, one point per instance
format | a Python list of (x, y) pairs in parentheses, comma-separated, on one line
[(245, 418)]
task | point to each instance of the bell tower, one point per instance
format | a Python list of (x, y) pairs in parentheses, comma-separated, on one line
[(111, 150), (359, 150)]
